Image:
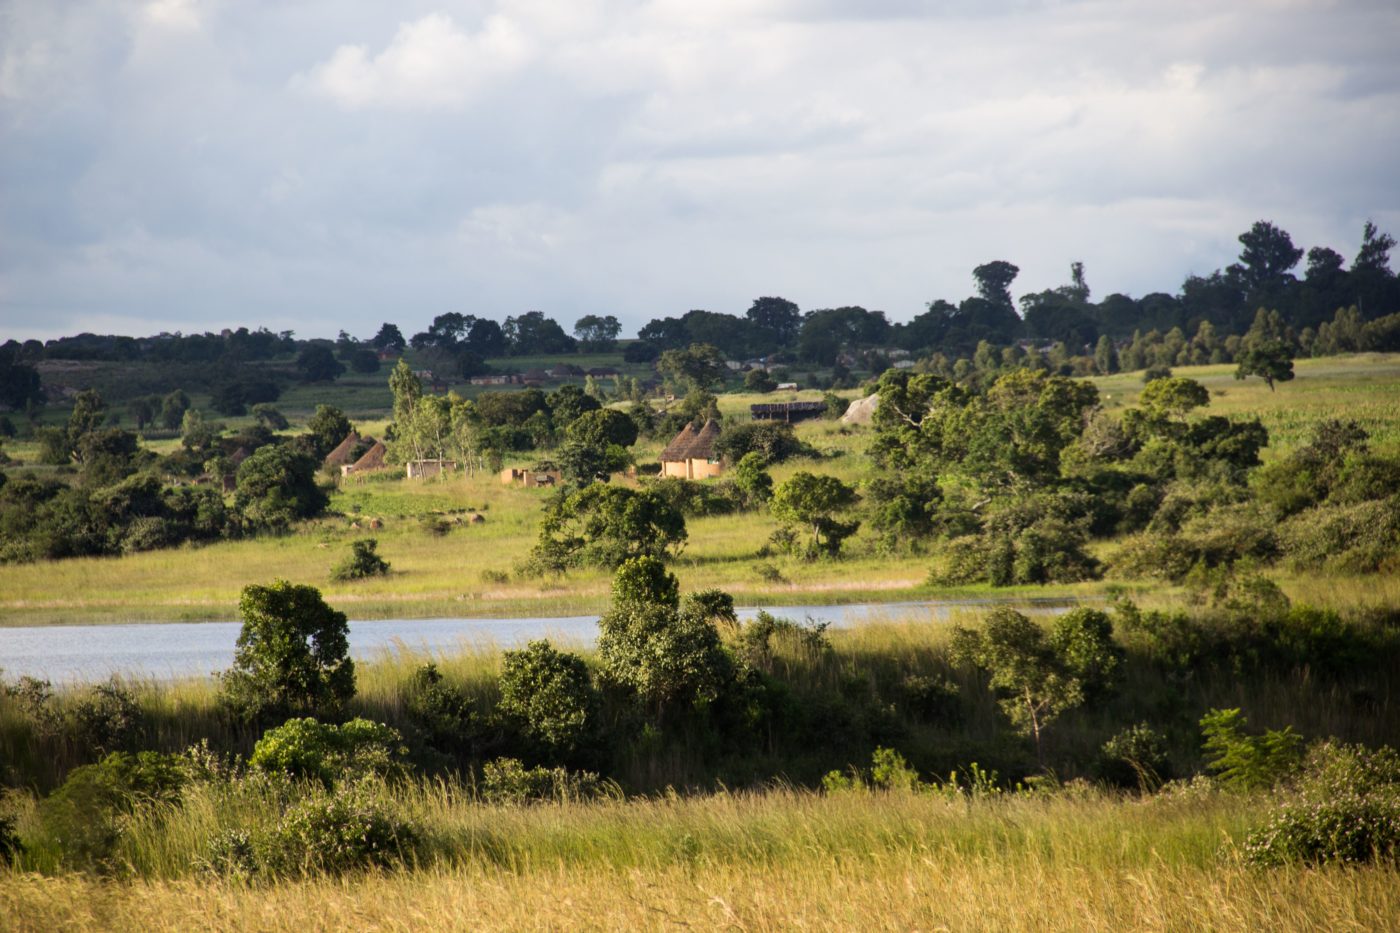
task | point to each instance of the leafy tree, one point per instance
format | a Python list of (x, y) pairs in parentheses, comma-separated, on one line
[(269, 417), (1272, 361), (196, 434), (317, 363), (1173, 397), (774, 441), (758, 380), (20, 385), (664, 650), (994, 282), (532, 333), (292, 655), (486, 339), (307, 748), (1267, 257), (89, 414), (142, 410), (603, 427), (389, 339), (1038, 677), (779, 318), (699, 366), (173, 408), (277, 486), (602, 525), (548, 697), (814, 501), (1105, 356), (640, 351), (327, 428), (567, 403), (752, 480), (1249, 762), (597, 334)]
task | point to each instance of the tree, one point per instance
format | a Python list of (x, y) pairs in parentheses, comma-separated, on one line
[(548, 697), (602, 525), (292, 655), (567, 403), (364, 561), (758, 380), (1267, 257), (532, 333), (1271, 360), (317, 363), (699, 366), (269, 417), (20, 384), (603, 427), (665, 650), (89, 413), (276, 486), (778, 318), (389, 339), (486, 339), (751, 478), (1173, 398), (1105, 356), (327, 428), (814, 501), (1039, 677), (597, 334), (994, 282), (173, 408)]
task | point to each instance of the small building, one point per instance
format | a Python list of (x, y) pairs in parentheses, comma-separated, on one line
[(373, 459), (787, 411), (785, 387), (691, 453), (496, 379), (602, 372), (530, 479), (344, 452), (425, 469), (535, 377)]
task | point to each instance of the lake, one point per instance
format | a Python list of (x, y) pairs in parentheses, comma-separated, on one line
[(171, 650)]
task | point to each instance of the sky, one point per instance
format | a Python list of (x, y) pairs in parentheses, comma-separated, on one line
[(319, 165)]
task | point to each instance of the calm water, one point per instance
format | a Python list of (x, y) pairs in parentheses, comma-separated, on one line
[(182, 649)]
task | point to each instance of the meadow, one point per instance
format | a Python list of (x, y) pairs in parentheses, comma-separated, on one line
[(470, 571)]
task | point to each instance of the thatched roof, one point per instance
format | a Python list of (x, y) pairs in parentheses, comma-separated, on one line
[(679, 444), (703, 446), (343, 451), (372, 460)]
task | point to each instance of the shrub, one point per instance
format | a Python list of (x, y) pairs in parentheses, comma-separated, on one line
[(1345, 807), (507, 781), (775, 441), (1248, 762), (548, 697), (931, 699), (1135, 757), (105, 718), (306, 748), (441, 712), (293, 655), (364, 561), (330, 833), (754, 645)]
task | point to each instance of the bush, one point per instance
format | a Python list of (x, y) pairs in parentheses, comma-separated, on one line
[(1248, 762), (306, 748), (364, 561), (106, 717), (548, 697), (1345, 807), (293, 655), (507, 781), (931, 699), (1135, 757), (775, 441), (440, 712)]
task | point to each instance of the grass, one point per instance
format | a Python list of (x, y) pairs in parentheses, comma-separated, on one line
[(460, 574)]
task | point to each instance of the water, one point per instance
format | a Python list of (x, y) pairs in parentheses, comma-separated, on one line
[(166, 651)]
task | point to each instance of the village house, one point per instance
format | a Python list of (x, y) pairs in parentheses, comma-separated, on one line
[(691, 453), (373, 459), (530, 479)]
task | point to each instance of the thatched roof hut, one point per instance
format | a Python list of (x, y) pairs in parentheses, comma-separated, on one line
[(344, 451), (373, 459)]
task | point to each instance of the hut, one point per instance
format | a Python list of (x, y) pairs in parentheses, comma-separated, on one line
[(530, 479), (373, 459), (691, 453), (344, 452)]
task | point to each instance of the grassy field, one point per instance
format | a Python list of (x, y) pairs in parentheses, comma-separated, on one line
[(469, 572)]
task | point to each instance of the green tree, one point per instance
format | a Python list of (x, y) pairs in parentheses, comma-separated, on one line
[(752, 479), (814, 502), (389, 339), (1038, 677), (602, 428), (758, 380), (292, 655), (269, 417), (699, 366), (994, 282), (548, 697), (277, 486), (173, 408), (603, 525), (327, 428), (364, 561), (665, 650), (1105, 356), (317, 363), (1173, 398), (1271, 360), (597, 334)]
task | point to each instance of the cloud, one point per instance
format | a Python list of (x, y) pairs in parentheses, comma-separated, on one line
[(429, 64)]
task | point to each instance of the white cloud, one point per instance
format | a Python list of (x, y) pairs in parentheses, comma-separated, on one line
[(429, 64)]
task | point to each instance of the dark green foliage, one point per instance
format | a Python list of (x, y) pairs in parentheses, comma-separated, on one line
[(934, 700), (666, 653), (105, 718), (80, 823), (694, 498), (548, 698), (603, 525), (1135, 757), (317, 363), (364, 561), (1249, 762), (292, 655), (1272, 361), (758, 380), (506, 781), (440, 713), (1344, 807), (752, 480), (327, 428), (774, 441), (813, 502), (306, 748), (277, 486)]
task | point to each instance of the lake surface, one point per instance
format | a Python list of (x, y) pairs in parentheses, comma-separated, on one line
[(170, 650)]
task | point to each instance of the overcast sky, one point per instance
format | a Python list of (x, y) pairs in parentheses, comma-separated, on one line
[(323, 164)]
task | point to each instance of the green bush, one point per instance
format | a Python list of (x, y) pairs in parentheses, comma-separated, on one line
[(1135, 757), (440, 712), (1345, 807), (547, 696), (306, 748), (507, 781), (364, 561), (1248, 762), (105, 718), (933, 700)]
